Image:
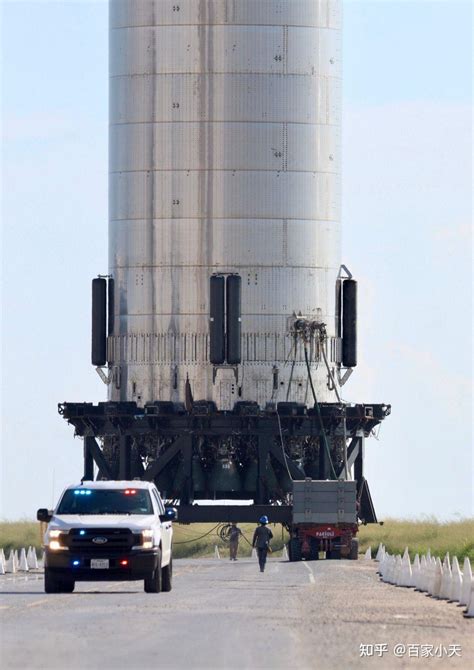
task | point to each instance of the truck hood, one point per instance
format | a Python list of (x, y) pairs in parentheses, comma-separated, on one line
[(132, 521)]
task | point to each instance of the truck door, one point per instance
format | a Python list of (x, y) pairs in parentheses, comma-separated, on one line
[(166, 532)]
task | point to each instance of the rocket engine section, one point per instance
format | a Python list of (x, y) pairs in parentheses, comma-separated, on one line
[(224, 224)]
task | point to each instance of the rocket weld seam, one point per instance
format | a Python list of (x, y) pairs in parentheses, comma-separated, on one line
[(219, 169), (205, 314), (189, 266), (244, 219), (223, 218), (227, 25), (225, 121), (188, 73)]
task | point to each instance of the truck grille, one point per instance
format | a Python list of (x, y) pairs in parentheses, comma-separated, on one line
[(106, 539)]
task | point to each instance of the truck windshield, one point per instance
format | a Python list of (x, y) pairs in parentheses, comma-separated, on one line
[(105, 501)]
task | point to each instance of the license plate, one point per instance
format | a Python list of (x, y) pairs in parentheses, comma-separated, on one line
[(99, 563)]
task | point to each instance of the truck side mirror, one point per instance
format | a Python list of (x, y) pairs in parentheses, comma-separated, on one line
[(169, 515), (44, 514)]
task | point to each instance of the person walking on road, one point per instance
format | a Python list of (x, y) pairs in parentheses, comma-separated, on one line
[(234, 537), (261, 541)]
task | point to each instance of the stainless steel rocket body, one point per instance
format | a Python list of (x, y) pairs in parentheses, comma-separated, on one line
[(224, 158)]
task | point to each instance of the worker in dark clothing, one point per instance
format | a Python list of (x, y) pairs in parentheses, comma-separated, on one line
[(234, 537), (261, 541)]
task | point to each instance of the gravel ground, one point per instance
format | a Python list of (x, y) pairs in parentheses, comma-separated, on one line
[(223, 615)]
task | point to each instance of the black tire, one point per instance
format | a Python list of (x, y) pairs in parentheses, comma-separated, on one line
[(67, 587), (51, 582), (153, 581), (167, 577), (313, 549), (354, 552), (294, 549), (334, 554)]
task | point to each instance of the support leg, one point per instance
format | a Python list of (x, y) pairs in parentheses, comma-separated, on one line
[(187, 492), (261, 497), (323, 460), (125, 457), (359, 466), (88, 460)]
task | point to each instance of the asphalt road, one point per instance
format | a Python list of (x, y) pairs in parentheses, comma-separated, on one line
[(223, 615)]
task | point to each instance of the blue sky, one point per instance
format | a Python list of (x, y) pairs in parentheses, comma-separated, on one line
[(407, 239)]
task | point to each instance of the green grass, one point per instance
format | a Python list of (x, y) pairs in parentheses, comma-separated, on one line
[(456, 537), (18, 534)]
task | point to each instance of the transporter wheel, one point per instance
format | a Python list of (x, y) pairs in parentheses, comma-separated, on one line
[(167, 577), (354, 553), (153, 581), (294, 549), (51, 582), (313, 549)]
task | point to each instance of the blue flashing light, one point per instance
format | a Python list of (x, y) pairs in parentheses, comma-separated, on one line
[(82, 532), (88, 493), (76, 563), (76, 493)]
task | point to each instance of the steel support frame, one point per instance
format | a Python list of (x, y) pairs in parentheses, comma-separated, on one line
[(129, 424)]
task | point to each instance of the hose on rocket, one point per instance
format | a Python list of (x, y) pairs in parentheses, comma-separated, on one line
[(318, 410)]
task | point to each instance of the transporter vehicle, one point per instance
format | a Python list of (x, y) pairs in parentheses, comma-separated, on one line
[(225, 325), (108, 531)]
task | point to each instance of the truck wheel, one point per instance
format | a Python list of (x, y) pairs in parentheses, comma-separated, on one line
[(354, 553), (153, 581), (294, 549), (313, 549), (167, 576), (51, 582), (66, 587)]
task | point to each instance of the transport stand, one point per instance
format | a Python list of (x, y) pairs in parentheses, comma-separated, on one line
[(125, 441)]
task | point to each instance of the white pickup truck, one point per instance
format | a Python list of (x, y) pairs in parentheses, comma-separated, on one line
[(108, 531)]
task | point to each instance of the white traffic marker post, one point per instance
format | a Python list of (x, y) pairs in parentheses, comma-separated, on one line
[(422, 574), (10, 564), (446, 580), (33, 560), (405, 572), (391, 570), (437, 579), (469, 613), (381, 559), (431, 567), (466, 582), (284, 553), (397, 571), (380, 553), (430, 571), (23, 563), (415, 572), (368, 554), (456, 584), (16, 560), (216, 552)]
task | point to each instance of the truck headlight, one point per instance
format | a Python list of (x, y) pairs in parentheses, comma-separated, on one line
[(147, 539), (54, 540)]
